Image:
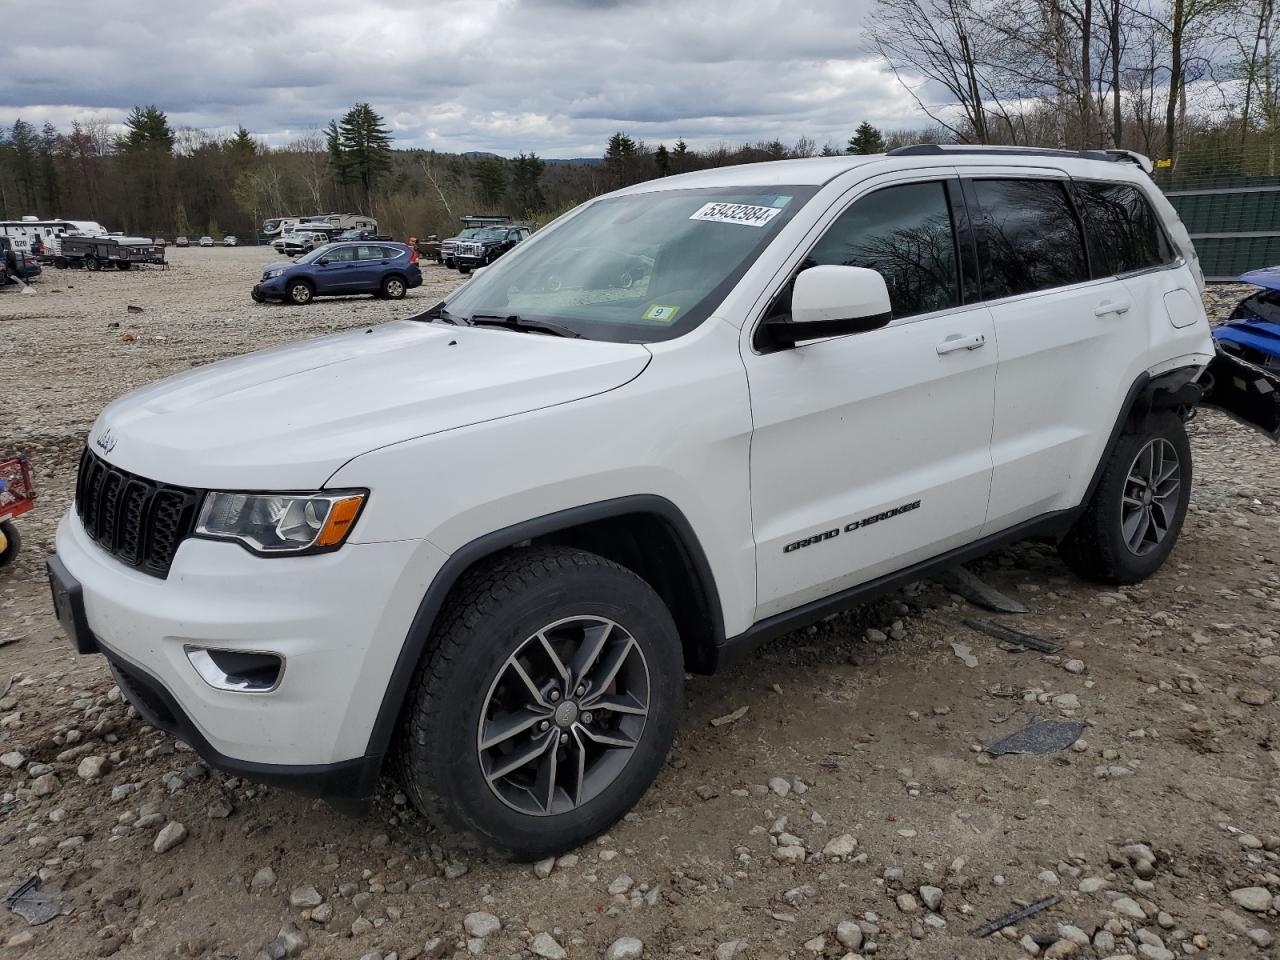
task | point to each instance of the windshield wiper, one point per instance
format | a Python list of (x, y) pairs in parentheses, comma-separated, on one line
[(441, 314), (516, 322)]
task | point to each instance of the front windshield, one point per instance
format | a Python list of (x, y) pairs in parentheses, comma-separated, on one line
[(635, 268), (469, 234), (315, 254)]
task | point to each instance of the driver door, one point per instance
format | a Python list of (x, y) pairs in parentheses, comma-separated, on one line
[(872, 452), (336, 270)]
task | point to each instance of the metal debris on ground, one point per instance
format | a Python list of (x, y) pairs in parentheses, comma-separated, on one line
[(1043, 736), (730, 717), (1014, 916), (1013, 638), (32, 905), (966, 584)]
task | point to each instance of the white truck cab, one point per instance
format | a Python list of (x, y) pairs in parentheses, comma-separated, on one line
[(684, 418)]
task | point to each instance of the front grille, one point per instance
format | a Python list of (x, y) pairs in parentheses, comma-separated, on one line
[(137, 521)]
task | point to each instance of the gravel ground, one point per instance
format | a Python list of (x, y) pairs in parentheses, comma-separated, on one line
[(849, 812)]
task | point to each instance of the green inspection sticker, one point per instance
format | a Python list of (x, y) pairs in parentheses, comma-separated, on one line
[(661, 312)]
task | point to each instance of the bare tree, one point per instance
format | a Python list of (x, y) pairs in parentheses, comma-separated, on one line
[(946, 42)]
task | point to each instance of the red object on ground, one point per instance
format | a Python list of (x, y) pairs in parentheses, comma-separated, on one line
[(17, 496)]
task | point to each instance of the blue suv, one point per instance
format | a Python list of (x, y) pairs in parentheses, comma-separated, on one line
[(384, 269)]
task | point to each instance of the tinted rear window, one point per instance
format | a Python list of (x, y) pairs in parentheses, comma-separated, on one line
[(1124, 233), (1028, 237)]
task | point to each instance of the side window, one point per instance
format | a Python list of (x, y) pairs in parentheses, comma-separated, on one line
[(906, 235), (369, 253), (340, 255), (1124, 232), (1028, 237)]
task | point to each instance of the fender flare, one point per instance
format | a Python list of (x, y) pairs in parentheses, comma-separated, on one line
[(1172, 390), (415, 641)]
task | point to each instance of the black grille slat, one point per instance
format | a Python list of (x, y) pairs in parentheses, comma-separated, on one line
[(138, 521)]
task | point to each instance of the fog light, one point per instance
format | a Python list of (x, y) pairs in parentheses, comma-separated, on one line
[(237, 670)]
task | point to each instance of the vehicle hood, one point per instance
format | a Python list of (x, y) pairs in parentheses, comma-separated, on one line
[(279, 265), (288, 418), (1268, 277)]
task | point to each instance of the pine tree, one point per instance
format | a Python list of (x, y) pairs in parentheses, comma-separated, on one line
[(491, 178), (365, 146), (242, 148), (526, 188), (25, 149), (333, 147), (148, 129), (619, 159), (662, 160), (829, 151), (866, 139), (680, 157)]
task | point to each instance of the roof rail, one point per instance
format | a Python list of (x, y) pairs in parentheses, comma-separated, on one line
[(934, 149)]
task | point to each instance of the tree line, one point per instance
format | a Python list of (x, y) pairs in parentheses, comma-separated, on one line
[(1180, 80)]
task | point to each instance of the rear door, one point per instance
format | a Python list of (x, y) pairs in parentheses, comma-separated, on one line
[(370, 264), (1070, 344), (871, 452)]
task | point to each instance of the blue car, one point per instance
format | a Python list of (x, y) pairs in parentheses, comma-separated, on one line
[(384, 269)]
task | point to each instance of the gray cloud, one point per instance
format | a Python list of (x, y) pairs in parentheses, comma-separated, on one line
[(554, 76)]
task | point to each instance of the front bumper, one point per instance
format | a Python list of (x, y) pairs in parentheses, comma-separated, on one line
[(270, 288), (339, 620)]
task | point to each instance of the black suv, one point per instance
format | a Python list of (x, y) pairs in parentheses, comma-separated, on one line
[(488, 244)]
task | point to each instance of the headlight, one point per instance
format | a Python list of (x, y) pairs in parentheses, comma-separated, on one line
[(281, 523), (271, 274)]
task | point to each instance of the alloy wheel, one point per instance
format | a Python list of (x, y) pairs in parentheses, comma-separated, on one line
[(1150, 499), (563, 715)]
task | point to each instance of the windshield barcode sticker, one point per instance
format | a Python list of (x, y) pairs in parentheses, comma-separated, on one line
[(743, 213)]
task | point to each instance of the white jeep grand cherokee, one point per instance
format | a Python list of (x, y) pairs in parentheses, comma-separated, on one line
[(690, 416)]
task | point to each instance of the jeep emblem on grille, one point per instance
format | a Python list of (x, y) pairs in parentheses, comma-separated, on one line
[(106, 442)]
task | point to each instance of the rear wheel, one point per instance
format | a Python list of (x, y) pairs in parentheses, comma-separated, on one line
[(60, 262), (300, 293), (1129, 527), (123, 264), (393, 288), (546, 703)]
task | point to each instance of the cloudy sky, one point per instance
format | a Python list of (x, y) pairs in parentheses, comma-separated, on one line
[(553, 76)]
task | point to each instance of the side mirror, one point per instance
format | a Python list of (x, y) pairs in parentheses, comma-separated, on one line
[(832, 301)]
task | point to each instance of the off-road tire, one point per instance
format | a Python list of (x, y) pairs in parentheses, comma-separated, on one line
[(464, 268), (1095, 548), (393, 288), (13, 546), (123, 264), (91, 263), (300, 293), (494, 609)]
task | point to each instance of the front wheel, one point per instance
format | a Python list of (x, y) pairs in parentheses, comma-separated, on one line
[(10, 543), (1129, 527), (300, 293), (60, 262), (393, 288), (257, 297), (91, 263), (546, 703), (123, 264)]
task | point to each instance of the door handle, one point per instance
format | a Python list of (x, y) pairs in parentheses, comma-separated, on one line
[(1108, 307), (958, 341)]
